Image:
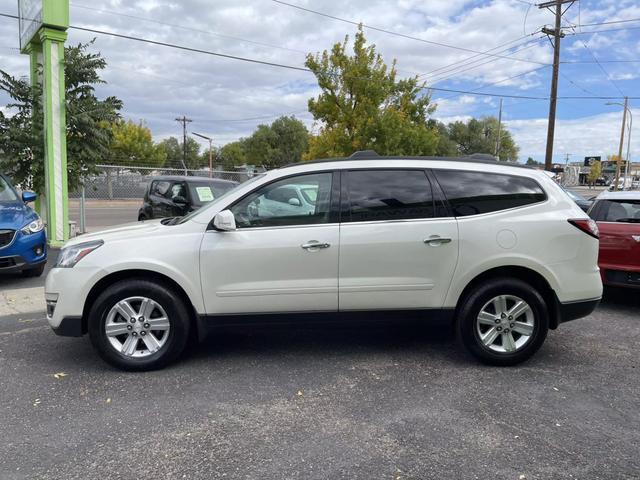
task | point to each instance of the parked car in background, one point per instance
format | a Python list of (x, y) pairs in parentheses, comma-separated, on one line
[(498, 250), (23, 241), (618, 217), (175, 196), (582, 202)]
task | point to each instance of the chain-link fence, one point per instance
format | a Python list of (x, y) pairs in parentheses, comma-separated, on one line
[(130, 183), (114, 195)]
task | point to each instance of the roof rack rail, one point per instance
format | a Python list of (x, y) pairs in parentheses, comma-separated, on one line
[(363, 154)]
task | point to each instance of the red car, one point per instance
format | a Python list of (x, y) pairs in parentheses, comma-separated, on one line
[(618, 217)]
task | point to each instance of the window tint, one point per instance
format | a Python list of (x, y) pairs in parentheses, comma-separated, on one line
[(160, 188), (625, 211), (388, 195), (282, 203), (177, 190), (6, 192), (471, 193)]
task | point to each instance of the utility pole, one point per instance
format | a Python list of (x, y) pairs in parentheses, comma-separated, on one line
[(497, 155), (557, 34), (184, 120), (210, 147), (624, 124)]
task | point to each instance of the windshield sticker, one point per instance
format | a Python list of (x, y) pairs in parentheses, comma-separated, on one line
[(204, 194)]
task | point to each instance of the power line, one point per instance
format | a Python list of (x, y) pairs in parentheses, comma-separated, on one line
[(179, 47), (602, 68), (608, 23), (233, 57), (499, 81), (174, 25), (464, 60), (485, 63), (389, 32)]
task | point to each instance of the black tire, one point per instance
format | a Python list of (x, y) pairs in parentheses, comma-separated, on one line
[(177, 313), (473, 303), (34, 272), (142, 217)]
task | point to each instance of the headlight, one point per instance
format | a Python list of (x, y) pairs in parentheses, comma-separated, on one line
[(69, 256), (33, 227)]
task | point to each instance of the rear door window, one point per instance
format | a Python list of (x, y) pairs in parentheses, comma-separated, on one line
[(472, 193), (375, 195), (623, 211)]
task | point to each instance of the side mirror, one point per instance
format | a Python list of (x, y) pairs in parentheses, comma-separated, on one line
[(295, 202), (179, 200), (28, 197), (224, 221)]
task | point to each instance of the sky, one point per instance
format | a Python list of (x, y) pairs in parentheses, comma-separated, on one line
[(228, 98)]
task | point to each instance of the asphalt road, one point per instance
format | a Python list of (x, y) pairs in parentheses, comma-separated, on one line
[(384, 402)]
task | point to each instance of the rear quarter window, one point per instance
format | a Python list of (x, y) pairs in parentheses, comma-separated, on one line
[(473, 193)]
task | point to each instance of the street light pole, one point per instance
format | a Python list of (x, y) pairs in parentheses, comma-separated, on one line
[(210, 148), (624, 122)]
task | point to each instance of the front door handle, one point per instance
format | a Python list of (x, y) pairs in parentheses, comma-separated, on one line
[(313, 245), (436, 240)]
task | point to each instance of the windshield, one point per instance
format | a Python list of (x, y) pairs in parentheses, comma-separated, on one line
[(7, 194), (215, 201)]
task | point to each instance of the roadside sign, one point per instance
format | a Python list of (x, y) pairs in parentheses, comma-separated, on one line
[(29, 19), (589, 161)]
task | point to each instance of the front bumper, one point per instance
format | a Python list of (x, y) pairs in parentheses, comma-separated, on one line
[(24, 252), (70, 327)]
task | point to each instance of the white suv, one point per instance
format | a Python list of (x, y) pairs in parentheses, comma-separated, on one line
[(498, 249)]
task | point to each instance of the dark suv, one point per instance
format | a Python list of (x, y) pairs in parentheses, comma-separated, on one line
[(174, 196)]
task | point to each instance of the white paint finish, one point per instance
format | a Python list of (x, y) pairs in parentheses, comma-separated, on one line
[(56, 113), (381, 264), (388, 265), (267, 270)]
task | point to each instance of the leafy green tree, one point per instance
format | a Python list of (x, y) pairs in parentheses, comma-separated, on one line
[(362, 105), (231, 155), (532, 162), (480, 136), (594, 172), (132, 145), (88, 119), (446, 146), (174, 153), (281, 143)]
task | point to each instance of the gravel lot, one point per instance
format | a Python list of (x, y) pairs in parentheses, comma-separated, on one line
[(388, 402)]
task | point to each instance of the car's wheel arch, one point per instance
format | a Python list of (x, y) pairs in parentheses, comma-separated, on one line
[(528, 275), (159, 278)]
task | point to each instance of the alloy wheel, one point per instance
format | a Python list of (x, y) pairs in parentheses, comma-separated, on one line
[(137, 327), (505, 324)]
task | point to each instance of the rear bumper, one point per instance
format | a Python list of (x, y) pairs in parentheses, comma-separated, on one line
[(573, 310), (620, 276)]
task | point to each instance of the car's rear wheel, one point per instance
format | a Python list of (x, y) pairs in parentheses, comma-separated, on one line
[(503, 321), (139, 325), (34, 272)]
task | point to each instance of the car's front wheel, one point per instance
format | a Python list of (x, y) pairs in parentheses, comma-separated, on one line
[(503, 322), (139, 325)]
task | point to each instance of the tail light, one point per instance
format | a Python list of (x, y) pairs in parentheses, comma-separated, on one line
[(587, 225)]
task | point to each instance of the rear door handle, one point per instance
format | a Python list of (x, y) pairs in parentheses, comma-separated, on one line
[(436, 240), (313, 245)]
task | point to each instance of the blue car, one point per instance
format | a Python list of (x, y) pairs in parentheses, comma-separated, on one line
[(23, 241)]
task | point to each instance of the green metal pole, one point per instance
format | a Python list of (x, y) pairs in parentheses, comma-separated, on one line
[(52, 41)]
